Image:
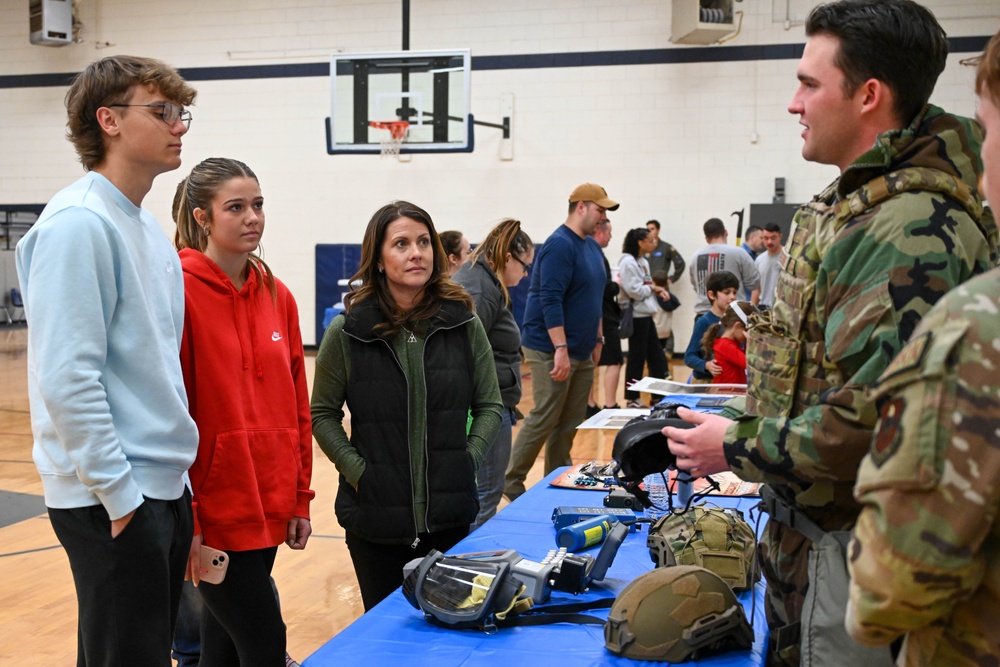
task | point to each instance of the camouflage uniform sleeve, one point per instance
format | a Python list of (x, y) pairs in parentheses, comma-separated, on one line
[(678, 261), (931, 481), (826, 440), (873, 287)]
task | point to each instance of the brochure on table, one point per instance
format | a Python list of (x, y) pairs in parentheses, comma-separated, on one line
[(613, 418)]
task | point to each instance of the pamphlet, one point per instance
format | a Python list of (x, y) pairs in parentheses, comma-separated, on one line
[(669, 387), (613, 418)]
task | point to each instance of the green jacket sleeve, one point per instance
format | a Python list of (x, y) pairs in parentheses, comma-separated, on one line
[(333, 369)]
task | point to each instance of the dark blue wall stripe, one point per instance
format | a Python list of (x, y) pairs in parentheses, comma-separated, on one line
[(255, 72), (700, 54), (36, 80), (646, 57)]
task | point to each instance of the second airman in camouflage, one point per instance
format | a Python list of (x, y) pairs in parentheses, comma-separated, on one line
[(925, 560)]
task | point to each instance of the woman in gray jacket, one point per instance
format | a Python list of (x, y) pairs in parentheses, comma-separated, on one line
[(637, 287), (502, 260)]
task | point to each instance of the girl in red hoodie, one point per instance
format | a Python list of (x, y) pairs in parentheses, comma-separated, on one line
[(725, 342), (242, 358)]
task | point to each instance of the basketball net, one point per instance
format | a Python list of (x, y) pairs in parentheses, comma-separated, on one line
[(393, 140)]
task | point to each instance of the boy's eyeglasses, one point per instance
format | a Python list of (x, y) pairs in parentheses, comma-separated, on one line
[(170, 113)]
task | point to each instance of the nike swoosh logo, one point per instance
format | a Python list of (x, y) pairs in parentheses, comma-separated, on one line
[(275, 336)]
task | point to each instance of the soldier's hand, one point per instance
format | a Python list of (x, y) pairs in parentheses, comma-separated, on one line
[(699, 449)]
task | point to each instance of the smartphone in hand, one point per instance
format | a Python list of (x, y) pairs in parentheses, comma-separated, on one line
[(213, 565)]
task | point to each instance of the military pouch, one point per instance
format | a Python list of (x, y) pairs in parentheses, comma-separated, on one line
[(772, 366), (824, 640)]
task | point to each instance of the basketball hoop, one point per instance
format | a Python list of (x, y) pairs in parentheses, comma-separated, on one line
[(397, 132)]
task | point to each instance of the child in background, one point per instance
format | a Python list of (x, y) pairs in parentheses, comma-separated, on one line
[(664, 318), (727, 340), (721, 289)]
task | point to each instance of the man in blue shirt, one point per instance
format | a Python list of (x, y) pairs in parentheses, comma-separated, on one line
[(753, 242), (561, 335)]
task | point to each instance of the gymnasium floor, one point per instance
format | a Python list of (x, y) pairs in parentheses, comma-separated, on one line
[(319, 594)]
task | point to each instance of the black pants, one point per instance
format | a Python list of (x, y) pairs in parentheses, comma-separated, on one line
[(379, 567), (643, 348), (127, 588), (187, 631), (242, 624)]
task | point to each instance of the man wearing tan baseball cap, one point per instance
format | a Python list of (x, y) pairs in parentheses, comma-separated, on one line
[(561, 335), (593, 193)]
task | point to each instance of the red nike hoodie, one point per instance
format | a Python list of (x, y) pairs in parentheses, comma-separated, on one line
[(244, 372)]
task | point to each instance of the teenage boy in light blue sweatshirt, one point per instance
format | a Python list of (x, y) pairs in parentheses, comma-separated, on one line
[(104, 298)]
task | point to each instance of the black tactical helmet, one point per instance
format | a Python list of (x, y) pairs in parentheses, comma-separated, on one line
[(641, 448), (715, 538), (676, 614)]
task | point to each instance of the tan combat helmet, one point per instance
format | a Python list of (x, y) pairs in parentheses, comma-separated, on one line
[(715, 538), (676, 614)]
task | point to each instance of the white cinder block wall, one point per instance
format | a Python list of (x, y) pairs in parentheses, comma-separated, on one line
[(672, 142)]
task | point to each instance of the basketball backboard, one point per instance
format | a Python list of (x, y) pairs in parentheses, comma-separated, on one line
[(429, 89)]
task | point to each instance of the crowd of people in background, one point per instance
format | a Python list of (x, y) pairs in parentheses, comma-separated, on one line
[(870, 343)]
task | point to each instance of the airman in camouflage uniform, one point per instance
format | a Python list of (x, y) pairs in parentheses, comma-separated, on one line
[(926, 554), (925, 560), (868, 257)]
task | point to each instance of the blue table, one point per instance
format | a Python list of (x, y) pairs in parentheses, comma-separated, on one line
[(396, 633)]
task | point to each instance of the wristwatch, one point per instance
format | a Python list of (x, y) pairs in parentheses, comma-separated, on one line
[(600, 339)]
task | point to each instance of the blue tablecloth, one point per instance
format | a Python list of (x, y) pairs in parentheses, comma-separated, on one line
[(396, 633)]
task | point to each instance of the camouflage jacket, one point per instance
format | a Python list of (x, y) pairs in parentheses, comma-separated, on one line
[(663, 257), (925, 559), (867, 259)]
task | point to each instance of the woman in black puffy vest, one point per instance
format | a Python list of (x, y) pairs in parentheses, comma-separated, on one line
[(414, 367)]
